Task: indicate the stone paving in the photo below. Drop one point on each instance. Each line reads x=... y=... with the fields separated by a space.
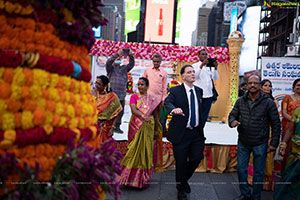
x=205 y=186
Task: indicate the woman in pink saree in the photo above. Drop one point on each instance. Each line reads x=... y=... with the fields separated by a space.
x=144 y=128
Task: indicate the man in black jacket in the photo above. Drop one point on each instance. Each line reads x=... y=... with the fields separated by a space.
x=185 y=130
x=253 y=114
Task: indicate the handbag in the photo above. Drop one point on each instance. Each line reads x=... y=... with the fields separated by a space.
x=215 y=93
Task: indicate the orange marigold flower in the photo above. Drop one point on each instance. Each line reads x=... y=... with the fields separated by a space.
x=56 y=120
x=18 y=119
x=27 y=36
x=39 y=117
x=5 y=43
x=29 y=75
x=72 y=85
x=61 y=93
x=29 y=105
x=30 y=47
x=50 y=105
x=78 y=109
x=25 y=92
x=5 y=90
x=60 y=83
x=48 y=129
x=45 y=93
x=13 y=105
x=8 y=75
x=10 y=135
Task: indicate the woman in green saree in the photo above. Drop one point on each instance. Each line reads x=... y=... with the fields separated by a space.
x=290 y=187
x=137 y=165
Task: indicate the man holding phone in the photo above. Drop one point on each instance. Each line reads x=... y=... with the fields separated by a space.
x=117 y=74
x=206 y=71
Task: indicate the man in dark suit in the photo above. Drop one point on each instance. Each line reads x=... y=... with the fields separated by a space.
x=185 y=130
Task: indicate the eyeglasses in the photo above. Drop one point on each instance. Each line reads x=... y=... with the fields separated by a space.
x=255 y=83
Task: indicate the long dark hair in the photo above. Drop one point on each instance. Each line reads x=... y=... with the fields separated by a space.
x=105 y=82
x=265 y=81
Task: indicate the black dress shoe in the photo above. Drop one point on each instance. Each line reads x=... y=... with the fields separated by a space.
x=181 y=195
x=242 y=197
x=187 y=188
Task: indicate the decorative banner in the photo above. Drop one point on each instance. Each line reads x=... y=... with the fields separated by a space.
x=137 y=71
x=167 y=52
x=281 y=71
x=132 y=16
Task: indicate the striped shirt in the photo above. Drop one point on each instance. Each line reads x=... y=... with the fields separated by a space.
x=118 y=76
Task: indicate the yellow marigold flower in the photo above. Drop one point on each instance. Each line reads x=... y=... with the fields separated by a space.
x=62 y=121
x=8 y=121
x=68 y=15
x=78 y=134
x=9 y=7
x=70 y=111
x=67 y=82
x=59 y=108
x=88 y=89
x=19 y=77
x=53 y=94
x=2 y=69
x=27 y=10
x=67 y=95
x=3 y=106
x=5 y=144
x=81 y=123
x=10 y=135
x=77 y=98
x=18 y=8
x=16 y=92
x=49 y=117
x=35 y=92
x=48 y=129
x=41 y=104
x=83 y=87
x=84 y=98
x=54 y=80
x=1 y=4
x=77 y=87
x=40 y=77
x=94 y=131
x=73 y=123
x=90 y=110
x=27 y=120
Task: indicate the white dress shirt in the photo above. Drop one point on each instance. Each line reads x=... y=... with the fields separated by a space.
x=203 y=78
x=188 y=94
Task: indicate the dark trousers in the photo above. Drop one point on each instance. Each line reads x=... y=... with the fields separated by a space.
x=188 y=155
x=206 y=105
x=120 y=115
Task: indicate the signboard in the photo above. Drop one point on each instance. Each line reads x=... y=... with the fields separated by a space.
x=241 y=5
x=132 y=16
x=159 y=21
x=178 y=19
x=281 y=71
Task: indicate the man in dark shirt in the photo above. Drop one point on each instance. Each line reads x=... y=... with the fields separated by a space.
x=118 y=77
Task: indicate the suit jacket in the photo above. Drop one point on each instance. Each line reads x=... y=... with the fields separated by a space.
x=178 y=99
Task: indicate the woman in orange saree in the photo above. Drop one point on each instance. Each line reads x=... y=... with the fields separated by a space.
x=108 y=106
x=288 y=106
x=137 y=164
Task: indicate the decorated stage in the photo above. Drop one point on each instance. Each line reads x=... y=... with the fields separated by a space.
x=219 y=153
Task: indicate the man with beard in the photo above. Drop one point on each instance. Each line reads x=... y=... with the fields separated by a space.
x=253 y=114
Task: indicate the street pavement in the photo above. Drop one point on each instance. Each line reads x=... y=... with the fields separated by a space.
x=205 y=186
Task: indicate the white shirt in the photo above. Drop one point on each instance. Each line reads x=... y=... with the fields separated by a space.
x=188 y=94
x=203 y=78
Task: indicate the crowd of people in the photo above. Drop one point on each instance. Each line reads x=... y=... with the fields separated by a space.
x=255 y=114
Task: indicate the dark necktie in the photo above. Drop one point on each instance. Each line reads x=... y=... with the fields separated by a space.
x=193 y=114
